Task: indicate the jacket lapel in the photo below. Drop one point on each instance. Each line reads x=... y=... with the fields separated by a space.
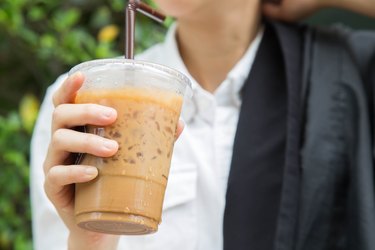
x=291 y=43
x=241 y=196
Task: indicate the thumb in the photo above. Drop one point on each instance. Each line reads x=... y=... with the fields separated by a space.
x=180 y=128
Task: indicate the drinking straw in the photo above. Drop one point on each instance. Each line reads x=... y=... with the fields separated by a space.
x=137 y=5
x=150 y=12
x=129 y=31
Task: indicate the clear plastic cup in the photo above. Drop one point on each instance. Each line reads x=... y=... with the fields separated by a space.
x=127 y=196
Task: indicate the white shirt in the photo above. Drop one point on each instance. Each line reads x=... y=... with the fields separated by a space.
x=194 y=202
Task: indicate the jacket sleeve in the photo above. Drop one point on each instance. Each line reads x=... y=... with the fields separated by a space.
x=361 y=45
x=337 y=158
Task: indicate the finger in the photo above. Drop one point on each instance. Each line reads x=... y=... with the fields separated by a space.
x=67 y=92
x=78 y=142
x=272 y=10
x=62 y=175
x=73 y=115
x=66 y=141
x=59 y=177
x=290 y=10
x=179 y=129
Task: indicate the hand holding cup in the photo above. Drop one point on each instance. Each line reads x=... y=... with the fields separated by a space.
x=60 y=169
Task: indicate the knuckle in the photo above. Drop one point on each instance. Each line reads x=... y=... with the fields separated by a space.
x=90 y=111
x=59 y=175
x=55 y=99
x=50 y=180
x=69 y=173
x=57 y=137
x=50 y=177
x=57 y=113
x=87 y=110
x=88 y=141
x=46 y=167
x=46 y=187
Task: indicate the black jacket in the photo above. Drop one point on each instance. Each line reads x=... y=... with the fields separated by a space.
x=327 y=195
x=337 y=198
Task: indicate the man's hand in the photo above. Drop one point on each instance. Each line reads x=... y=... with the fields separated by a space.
x=294 y=10
x=291 y=10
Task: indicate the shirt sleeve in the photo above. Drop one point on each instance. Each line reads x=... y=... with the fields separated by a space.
x=49 y=232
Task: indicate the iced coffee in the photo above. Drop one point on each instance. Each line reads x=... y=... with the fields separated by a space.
x=127 y=196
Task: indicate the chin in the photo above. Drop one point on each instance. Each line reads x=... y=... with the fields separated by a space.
x=179 y=8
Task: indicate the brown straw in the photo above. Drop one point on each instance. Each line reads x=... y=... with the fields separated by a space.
x=132 y=6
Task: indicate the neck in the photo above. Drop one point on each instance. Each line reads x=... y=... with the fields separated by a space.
x=214 y=40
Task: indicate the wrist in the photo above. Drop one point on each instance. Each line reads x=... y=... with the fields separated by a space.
x=83 y=240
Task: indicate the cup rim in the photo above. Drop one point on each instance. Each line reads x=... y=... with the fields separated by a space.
x=135 y=63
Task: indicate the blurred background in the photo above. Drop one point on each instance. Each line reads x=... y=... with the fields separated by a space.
x=41 y=39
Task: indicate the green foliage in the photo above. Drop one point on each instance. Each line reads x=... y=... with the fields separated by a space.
x=15 y=218
x=39 y=40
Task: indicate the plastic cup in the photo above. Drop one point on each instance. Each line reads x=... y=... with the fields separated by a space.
x=127 y=196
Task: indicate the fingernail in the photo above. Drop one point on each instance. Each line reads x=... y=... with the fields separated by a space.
x=91 y=171
x=109 y=144
x=109 y=112
x=76 y=75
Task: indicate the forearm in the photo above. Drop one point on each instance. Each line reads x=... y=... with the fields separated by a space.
x=92 y=241
x=364 y=7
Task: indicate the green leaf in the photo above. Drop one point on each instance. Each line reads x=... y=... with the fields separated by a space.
x=18 y=3
x=15 y=157
x=3 y=16
x=65 y=19
x=48 y=41
x=101 y=17
x=29 y=36
x=36 y=13
x=118 y=5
